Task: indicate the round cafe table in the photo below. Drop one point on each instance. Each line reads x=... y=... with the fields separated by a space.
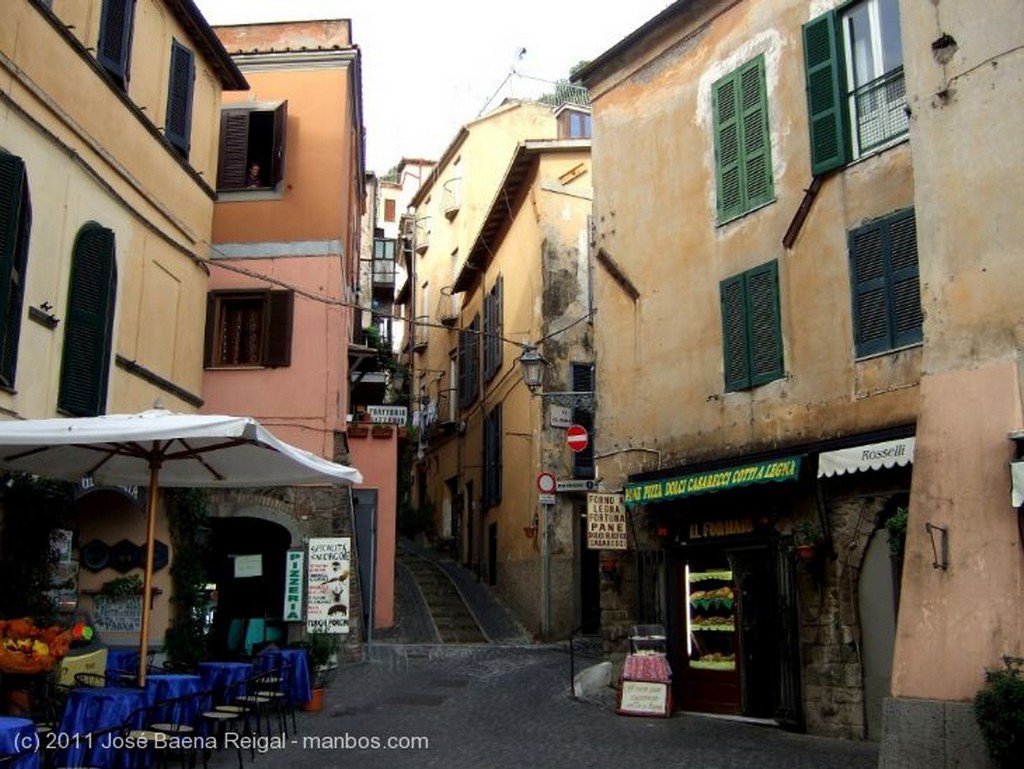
x=18 y=738
x=91 y=709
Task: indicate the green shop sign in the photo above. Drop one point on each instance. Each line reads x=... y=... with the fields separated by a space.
x=664 y=489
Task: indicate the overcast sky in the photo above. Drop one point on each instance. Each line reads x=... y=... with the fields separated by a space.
x=430 y=67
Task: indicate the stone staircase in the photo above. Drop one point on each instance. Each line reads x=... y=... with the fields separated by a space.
x=454 y=621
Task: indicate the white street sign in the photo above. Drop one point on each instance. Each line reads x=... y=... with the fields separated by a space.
x=576 y=484
x=560 y=416
x=546 y=499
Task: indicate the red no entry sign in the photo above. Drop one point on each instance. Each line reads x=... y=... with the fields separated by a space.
x=577 y=438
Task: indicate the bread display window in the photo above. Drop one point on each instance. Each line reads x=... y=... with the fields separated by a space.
x=711 y=620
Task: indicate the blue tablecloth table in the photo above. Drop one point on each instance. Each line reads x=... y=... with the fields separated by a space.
x=225 y=679
x=18 y=737
x=171 y=686
x=123 y=663
x=300 y=688
x=90 y=709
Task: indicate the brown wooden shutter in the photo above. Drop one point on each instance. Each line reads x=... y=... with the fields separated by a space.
x=212 y=332
x=178 y=129
x=277 y=158
x=278 y=329
x=234 y=149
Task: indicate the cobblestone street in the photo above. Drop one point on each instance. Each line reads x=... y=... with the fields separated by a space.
x=510 y=706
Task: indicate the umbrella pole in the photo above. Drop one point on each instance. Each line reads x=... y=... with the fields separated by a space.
x=147 y=582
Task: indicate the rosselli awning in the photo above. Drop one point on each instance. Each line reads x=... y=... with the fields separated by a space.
x=875 y=456
x=723 y=479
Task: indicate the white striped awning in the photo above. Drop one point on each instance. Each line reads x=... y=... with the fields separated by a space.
x=874 y=456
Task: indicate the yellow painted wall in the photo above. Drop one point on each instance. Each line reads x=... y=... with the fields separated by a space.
x=660 y=359
x=89 y=157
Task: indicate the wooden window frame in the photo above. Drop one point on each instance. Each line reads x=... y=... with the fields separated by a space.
x=494 y=318
x=469 y=363
x=583 y=378
x=240 y=146
x=276 y=318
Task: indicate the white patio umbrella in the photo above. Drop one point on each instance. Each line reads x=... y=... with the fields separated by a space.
x=159 y=448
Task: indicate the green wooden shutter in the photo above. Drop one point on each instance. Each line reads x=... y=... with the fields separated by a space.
x=907 y=317
x=232 y=163
x=488 y=332
x=12 y=190
x=499 y=323
x=15 y=225
x=871 y=327
x=764 y=326
x=734 y=333
x=727 y=148
x=824 y=72
x=278 y=314
x=463 y=359
x=756 y=139
x=114 y=46
x=583 y=381
x=89 y=324
x=178 y=129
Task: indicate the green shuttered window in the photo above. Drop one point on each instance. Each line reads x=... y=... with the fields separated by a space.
x=751 y=327
x=492 y=457
x=179 y=98
x=115 y=43
x=743 y=158
x=825 y=92
x=493 y=322
x=886 y=286
x=15 y=225
x=89 y=325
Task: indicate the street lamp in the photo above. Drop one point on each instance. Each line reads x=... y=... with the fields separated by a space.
x=532 y=364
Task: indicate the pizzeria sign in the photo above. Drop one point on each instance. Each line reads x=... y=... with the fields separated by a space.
x=664 y=489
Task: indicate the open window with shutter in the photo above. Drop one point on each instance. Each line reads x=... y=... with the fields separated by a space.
x=178 y=127
x=251 y=137
x=752 y=328
x=113 y=51
x=15 y=226
x=249 y=329
x=743 y=159
x=89 y=324
x=856 y=93
x=886 y=286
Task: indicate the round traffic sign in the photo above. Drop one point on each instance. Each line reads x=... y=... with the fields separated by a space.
x=577 y=438
x=546 y=483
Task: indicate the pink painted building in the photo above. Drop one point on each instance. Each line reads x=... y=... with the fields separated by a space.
x=283 y=285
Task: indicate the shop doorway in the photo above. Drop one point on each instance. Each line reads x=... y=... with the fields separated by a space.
x=364 y=516
x=246 y=567
x=738 y=652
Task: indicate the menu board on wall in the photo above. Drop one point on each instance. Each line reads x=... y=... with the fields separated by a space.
x=117 y=614
x=327 y=584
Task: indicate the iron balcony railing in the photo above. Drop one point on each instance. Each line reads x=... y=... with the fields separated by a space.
x=880 y=110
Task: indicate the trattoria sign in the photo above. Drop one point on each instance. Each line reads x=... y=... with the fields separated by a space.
x=663 y=489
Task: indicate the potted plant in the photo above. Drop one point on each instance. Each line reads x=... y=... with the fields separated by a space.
x=806 y=540
x=321 y=648
x=999 y=711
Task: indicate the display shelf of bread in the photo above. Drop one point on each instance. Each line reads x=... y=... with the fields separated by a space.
x=714 y=661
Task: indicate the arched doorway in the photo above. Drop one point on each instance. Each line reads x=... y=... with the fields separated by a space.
x=246 y=567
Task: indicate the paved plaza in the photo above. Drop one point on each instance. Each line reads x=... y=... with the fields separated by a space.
x=501 y=706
